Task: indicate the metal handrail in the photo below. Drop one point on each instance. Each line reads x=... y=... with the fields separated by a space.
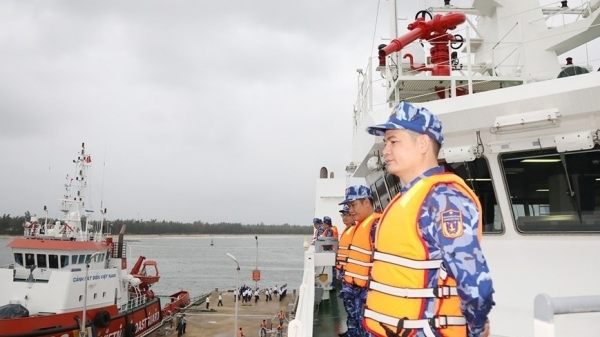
x=545 y=307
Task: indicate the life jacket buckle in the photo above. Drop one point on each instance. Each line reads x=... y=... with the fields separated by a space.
x=438 y=322
x=442 y=292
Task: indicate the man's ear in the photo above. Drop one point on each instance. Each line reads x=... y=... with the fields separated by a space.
x=424 y=143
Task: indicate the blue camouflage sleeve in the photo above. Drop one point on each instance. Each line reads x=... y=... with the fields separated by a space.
x=373 y=231
x=451 y=226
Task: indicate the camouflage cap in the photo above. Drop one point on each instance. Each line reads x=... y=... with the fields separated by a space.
x=327 y=220
x=357 y=192
x=317 y=220
x=345 y=209
x=406 y=116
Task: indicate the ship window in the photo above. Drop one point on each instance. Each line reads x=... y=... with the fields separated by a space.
x=88 y=258
x=81 y=259
x=29 y=259
x=53 y=261
x=384 y=197
x=19 y=258
x=80 y=298
x=393 y=184
x=64 y=261
x=554 y=192
x=477 y=176
x=41 y=261
x=101 y=257
x=376 y=202
x=74 y=259
x=103 y=294
x=95 y=295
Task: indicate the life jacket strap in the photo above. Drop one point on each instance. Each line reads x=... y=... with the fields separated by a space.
x=443 y=272
x=408 y=263
x=361 y=277
x=360 y=263
x=436 y=292
x=361 y=250
x=434 y=323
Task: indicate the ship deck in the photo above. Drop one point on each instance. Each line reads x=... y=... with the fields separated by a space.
x=330 y=316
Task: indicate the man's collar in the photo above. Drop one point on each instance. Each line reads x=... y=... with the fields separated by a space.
x=428 y=173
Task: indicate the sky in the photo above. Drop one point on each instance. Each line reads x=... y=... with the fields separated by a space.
x=215 y=111
x=191 y=110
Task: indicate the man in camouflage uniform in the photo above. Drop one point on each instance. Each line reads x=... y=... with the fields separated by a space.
x=360 y=207
x=319 y=229
x=413 y=138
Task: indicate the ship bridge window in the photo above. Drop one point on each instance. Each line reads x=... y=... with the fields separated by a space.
x=29 y=259
x=554 y=192
x=64 y=261
x=384 y=189
x=477 y=176
x=81 y=259
x=74 y=259
x=19 y=258
x=41 y=261
x=53 y=261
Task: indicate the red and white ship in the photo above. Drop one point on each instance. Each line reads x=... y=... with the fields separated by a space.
x=70 y=274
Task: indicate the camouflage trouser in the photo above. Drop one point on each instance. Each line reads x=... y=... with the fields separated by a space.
x=354 y=302
x=351 y=322
x=360 y=301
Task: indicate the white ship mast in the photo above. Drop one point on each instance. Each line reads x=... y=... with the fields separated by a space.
x=73 y=202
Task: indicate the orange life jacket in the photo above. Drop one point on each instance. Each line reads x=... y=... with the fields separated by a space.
x=358 y=265
x=344 y=247
x=334 y=232
x=397 y=289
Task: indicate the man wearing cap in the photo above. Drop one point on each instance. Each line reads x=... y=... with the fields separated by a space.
x=358 y=264
x=429 y=275
x=319 y=229
x=330 y=230
x=345 y=241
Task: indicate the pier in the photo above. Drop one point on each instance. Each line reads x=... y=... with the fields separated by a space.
x=219 y=321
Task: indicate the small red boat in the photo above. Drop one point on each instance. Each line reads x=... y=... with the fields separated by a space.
x=70 y=279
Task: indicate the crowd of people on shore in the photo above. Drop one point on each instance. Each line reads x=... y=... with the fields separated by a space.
x=245 y=293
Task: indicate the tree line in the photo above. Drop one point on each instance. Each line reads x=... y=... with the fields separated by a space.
x=13 y=225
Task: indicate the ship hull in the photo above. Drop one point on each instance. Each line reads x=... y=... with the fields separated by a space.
x=133 y=323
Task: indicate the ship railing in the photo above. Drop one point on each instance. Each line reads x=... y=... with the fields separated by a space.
x=546 y=307
x=134 y=303
x=115 y=251
x=364 y=99
x=326 y=245
x=302 y=324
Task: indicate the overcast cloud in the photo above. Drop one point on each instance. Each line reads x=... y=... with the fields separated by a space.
x=191 y=110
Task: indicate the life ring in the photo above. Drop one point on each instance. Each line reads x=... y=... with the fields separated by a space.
x=129 y=330
x=102 y=319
